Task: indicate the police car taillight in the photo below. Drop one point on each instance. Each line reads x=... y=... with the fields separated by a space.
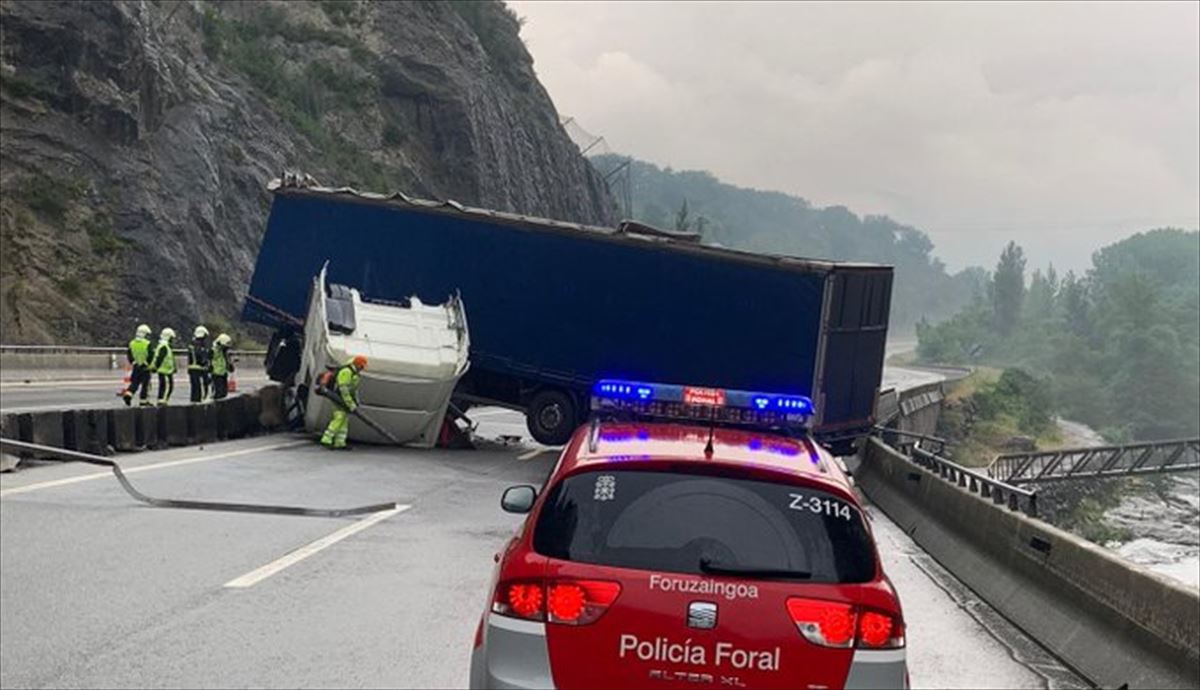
x=877 y=630
x=826 y=623
x=563 y=601
x=834 y=624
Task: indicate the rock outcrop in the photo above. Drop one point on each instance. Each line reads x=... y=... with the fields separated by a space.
x=138 y=138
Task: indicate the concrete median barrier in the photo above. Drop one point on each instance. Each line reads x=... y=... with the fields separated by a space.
x=231 y=417
x=46 y=428
x=147 y=426
x=202 y=423
x=1113 y=621
x=97 y=421
x=8 y=429
x=86 y=430
x=173 y=425
x=271 y=414
x=122 y=429
x=70 y=420
x=142 y=428
x=251 y=409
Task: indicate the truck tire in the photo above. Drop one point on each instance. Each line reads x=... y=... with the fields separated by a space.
x=550 y=417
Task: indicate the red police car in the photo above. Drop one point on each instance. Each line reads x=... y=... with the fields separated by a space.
x=690 y=555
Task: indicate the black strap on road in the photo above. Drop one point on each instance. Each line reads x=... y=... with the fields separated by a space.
x=64 y=454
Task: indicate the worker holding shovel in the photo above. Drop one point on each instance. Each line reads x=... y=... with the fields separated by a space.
x=345 y=388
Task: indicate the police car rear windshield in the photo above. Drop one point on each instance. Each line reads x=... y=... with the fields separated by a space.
x=704 y=525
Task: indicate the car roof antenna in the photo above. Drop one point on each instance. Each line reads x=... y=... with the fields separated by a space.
x=712 y=425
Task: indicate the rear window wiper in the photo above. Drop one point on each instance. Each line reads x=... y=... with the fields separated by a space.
x=718 y=568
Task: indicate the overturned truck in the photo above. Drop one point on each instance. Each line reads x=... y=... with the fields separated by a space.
x=417 y=355
x=557 y=306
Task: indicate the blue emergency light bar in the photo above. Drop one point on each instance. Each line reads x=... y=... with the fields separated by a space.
x=696 y=402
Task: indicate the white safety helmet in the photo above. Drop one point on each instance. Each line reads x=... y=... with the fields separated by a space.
x=200 y=332
x=224 y=339
x=167 y=334
x=143 y=330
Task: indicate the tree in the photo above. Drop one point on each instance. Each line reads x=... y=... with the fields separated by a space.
x=1008 y=291
x=1119 y=349
x=1043 y=295
x=682 y=222
x=1073 y=301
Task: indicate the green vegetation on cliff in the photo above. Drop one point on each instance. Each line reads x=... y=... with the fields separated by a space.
x=993 y=412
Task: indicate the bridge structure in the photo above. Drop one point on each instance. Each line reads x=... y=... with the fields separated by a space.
x=1099 y=462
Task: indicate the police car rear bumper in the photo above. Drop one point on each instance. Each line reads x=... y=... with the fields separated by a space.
x=514 y=654
x=878 y=668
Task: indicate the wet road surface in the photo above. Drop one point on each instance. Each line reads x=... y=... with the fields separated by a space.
x=99 y=591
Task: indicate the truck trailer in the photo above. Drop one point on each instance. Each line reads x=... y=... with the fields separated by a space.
x=557 y=306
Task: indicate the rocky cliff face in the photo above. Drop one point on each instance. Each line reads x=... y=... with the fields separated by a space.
x=138 y=138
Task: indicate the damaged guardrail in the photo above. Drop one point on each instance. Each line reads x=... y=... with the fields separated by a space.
x=979 y=483
x=913 y=446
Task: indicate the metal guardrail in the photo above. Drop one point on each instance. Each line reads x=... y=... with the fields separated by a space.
x=87 y=349
x=900 y=439
x=1155 y=457
x=972 y=480
x=977 y=482
x=919 y=398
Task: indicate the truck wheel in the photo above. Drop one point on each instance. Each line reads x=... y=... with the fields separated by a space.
x=550 y=417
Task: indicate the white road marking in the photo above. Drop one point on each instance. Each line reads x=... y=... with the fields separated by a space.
x=259 y=574
x=146 y=468
x=533 y=453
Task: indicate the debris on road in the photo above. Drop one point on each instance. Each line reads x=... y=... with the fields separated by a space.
x=73 y=455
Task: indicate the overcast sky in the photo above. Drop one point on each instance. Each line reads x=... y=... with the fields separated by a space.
x=1062 y=126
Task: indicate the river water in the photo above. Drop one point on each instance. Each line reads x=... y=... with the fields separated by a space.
x=1163 y=518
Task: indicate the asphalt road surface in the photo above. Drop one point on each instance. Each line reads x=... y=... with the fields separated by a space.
x=99 y=591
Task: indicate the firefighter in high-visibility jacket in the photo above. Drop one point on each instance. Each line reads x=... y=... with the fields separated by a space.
x=199 y=354
x=138 y=353
x=222 y=366
x=346 y=388
x=164 y=365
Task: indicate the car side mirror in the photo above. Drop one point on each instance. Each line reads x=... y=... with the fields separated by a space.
x=518 y=499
